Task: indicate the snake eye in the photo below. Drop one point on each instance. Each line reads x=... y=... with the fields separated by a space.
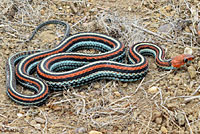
x=185 y=60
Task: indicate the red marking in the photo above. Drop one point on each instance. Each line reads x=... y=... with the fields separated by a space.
x=136 y=57
x=27 y=80
x=30 y=99
x=157 y=59
x=83 y=57
x=69 y=43
x=89 y=69
x=27 y=99
x=179 y=60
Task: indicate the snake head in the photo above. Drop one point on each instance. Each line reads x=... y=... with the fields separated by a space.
x=181 y=60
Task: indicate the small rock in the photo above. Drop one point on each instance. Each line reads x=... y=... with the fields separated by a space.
x=60 y=8
x=158 y=120
x=39 y=120
x=163 y=130
x=181 y=119
x=42 y=12
x=190 y=118
x=117 y=94
x=171 y=106
x=168 y=8
x=157 y=114
x=135 y=114
x=165 y=28
x=33 y=123
x=19 y=114
x=125 y=85
x=187 y=29
x=7 y=52
x=188 y=50
x=129 y=8
x=95 y=132
x=37 y=126
x=153 y=90
x=177 y=78
x=80 y=130
x=192 y=72
x=97 y=86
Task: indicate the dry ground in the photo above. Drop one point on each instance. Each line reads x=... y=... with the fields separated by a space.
x=157 y=104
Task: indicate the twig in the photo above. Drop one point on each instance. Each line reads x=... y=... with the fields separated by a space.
x=3 y=116
x=46 y=122
x=139 y=86
x=188 y=123
x=150 y=119
x=152 y=33
x=126 y=97
x=81 y=20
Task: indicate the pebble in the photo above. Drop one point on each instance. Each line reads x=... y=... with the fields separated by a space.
x=37 y=126
x=97 y=86
x=177 y=78
x=42 y=12
x=40 y=120
x=7 y=52
x=117 y=94
x=190 y=118
x=135 y=114
x=19 y=114
x=188 y=50
x=165 y=28
x=95 y=132
x=192 y=72
x=181 y=119
x=80 y=130
x=187 y=29
x=125 y=85
x=171 y=106
x=157 y=114
x=153 y=90
x=164 y=130
x=33 y=123
x=158 y=120
x=129 y=8
x=168 y=8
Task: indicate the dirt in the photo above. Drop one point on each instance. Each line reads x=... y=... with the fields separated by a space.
x=163 y=102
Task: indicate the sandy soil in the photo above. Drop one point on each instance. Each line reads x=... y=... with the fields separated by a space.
x=161 y=103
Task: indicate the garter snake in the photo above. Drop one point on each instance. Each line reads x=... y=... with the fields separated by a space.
x=63 y=67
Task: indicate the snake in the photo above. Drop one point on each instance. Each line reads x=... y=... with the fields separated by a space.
x=65 y=66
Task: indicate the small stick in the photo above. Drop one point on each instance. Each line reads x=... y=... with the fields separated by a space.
x=119 y=100
x=150 y=32
x=73 y=7
x=191 y=132
x=139 y=86
x=81 y=20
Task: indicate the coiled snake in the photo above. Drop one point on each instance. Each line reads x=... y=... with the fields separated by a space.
x=62 y=67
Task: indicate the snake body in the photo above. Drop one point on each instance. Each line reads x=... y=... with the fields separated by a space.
x=63 y=67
